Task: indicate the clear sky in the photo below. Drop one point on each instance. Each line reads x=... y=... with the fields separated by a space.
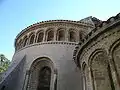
x=15 y=15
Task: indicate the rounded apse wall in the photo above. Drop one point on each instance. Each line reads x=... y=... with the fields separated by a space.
x=50 y=44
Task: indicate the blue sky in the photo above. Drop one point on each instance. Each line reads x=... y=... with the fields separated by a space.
x=15 y=15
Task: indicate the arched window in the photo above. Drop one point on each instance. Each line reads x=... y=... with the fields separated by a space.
x=40 y=37
x=25 y=41
x=50 y=35
x=72 y=36
x=20 y=43
x=41 y=75
x=100 y=73
x=44 y=79
x=61 y=35
x=32 y=39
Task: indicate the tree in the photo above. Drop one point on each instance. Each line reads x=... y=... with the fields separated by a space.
x=4 y=63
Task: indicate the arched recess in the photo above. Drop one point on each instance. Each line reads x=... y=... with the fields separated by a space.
x=20 y=43
x=72 y=35
x=50 y=34
x=17 y=46
x=61 y=34
x=25 y=41
x=115 y=53
x=101 y=77
x=41 y=76
x=40 y=36
x=31 y=39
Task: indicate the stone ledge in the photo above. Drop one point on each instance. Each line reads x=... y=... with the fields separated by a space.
x=48 y=42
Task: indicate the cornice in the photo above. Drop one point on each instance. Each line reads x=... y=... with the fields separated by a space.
x=48 y=42
x=43 y=23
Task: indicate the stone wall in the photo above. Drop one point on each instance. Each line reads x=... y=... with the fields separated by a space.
x=61 y=56
x=47 y=44
x=98 y=57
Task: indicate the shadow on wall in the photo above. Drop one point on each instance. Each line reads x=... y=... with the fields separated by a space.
x=11 y=81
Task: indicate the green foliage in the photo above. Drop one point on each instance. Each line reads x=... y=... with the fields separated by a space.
x=4 y=63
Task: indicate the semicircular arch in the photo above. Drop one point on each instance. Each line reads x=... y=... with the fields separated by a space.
x=39 y=36
x=113 y=46
x=42 y=59
x=61 y=34
x=100 y=70
x=114 y=52
x=50 y=34
x=42 y=74
x=94 y=53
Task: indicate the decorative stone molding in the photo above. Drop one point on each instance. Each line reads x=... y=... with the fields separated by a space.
x=49 y=42
x=90 y=46
x=107 y=37
x=36 y=67
x=28 y=33
x=103 y=27
x=53 y=23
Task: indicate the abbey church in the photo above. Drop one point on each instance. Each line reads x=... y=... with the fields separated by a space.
x=66 y=55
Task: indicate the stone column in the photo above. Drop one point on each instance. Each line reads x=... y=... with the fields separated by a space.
x=26 y=81
x=90 y=85
x=44 y=36
x=84 y=80
x=113 y=72
x=77 y=38
x=67 y=34
x=55 y=34
x=35 y=37
x=27 y=42
x=54 y=81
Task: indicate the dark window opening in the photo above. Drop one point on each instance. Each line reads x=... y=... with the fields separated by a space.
x=50 y=36
x=25 y=42
x=44 y=79
x=40 y=37
x=72 y=36
x=61 y=35
x=32 y=39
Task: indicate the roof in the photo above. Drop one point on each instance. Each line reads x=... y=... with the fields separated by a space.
x=91 y=20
